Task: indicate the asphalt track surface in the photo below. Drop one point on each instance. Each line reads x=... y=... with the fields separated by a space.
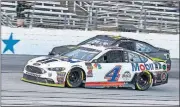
x=18 y=93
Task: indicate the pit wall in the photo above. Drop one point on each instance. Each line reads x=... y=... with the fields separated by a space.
x=40 y=41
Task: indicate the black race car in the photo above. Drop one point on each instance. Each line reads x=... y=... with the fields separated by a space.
x=155 y=53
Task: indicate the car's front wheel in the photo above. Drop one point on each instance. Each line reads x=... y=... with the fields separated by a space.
x=74 y=78
x=143 y=81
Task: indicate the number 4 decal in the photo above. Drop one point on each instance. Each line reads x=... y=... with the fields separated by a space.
x=113 y=75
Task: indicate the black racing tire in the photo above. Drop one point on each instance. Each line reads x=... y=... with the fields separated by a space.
x=143 y=81
x=74 y=78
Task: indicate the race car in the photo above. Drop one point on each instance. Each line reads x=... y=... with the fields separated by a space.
x=156 y=53
x=93 y=66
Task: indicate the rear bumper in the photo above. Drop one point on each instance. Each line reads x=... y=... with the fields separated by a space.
x=168 y=67
x=40 y=81
x=168 y=62
x=160 y=79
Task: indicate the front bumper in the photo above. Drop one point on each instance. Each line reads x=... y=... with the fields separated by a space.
x=41 y=81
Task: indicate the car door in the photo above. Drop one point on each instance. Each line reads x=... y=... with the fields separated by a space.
x=108 y=69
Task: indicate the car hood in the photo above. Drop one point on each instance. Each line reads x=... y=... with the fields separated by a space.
x=52 y=60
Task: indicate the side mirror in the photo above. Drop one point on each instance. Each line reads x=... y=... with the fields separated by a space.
x=51 y=53
x=131 y=60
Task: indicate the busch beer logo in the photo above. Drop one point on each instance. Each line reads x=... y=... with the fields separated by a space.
x=89 y=73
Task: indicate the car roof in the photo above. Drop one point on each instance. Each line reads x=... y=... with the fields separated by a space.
x=102 y=48
x=110 y=39
x=102 y=40
x=118 y=37
x=115 y=38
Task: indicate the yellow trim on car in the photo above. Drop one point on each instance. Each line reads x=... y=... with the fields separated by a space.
x=116 y=37
x=158 y=59
x=45 y=84
x=68 y=83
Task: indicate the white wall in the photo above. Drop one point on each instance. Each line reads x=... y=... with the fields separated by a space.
x=39 y=41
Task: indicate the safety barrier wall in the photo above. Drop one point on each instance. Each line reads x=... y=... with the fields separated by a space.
x=40 y=41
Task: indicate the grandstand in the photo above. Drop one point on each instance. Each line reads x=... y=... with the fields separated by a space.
x=143 y=16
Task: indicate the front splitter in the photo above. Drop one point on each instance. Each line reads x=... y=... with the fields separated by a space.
x=44 y=84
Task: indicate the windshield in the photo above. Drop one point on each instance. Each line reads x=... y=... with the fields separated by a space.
x=85 y=54
x=61 y=50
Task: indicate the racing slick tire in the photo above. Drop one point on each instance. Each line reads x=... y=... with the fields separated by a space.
x=74 y=78
x=143 y=81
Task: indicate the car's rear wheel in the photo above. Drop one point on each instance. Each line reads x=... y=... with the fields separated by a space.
x=143 y=81
x=74 y=78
